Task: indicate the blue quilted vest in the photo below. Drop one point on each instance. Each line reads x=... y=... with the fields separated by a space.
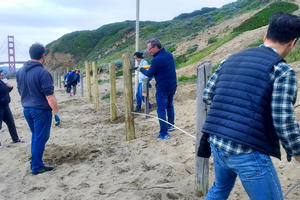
x=241 y=106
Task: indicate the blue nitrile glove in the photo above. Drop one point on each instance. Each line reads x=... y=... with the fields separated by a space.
x=57 y=119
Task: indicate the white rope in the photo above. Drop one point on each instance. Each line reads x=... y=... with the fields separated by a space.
x=136 y=113
x=291 y=189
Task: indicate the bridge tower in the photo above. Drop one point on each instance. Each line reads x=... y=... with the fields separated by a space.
x=11 y=54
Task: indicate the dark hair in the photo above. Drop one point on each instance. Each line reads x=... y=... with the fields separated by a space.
x=138 y=54
x=283 y=28
x=36 y=51
x=155 y=43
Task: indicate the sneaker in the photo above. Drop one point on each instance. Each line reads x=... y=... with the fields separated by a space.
x=45 y=169
x=167 y=137
x=160 y=137
x=171 y=128
x=19 y=141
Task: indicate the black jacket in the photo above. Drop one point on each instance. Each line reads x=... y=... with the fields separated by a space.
x=4 y=94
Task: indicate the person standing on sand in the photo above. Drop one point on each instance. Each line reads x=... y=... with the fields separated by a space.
x=251 y=97
x=138 y=56
x=72 y=79
x=163 y=69
x=5 y=112
x=35 y=85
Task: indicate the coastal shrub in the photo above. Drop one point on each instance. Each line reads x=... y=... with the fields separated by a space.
x=212 y=39
x=118 y=64
x=184 y=78
x=256 y=43
x=293 y=56
x=192 y=49
x=179 y=60
x=107 y=95
x=105 y=67
x=119 y=73
x=100 y=81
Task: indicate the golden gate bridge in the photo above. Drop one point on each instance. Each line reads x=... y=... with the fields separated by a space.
x=11 y=55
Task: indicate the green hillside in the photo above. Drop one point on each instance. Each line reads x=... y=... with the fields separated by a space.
x=109 y=42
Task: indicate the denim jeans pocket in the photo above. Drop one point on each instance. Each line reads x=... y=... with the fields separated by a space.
x=248 y=166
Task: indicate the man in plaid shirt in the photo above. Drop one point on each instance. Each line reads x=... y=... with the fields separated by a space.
x=252 y=94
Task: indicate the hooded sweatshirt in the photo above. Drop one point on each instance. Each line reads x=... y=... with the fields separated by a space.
x=34 y=84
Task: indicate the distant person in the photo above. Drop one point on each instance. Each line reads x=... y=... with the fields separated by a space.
x=163 y=69
x=65 y=78
x=72 y=79
x=5 y=112
x=138 y=56
x=251 y=97
x=35 y=85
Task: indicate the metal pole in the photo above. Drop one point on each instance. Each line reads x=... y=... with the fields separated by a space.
x=137 y=30
x=145 y=94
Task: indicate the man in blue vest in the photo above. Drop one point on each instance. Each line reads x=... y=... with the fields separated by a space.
x=252 y=94
x=163 y=69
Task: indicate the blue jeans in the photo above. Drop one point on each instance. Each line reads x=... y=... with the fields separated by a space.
x=139 y=96
x=39 y=122
x=165 y=107
x=255 y=170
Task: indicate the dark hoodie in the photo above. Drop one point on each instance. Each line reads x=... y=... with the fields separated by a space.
x=34 y=84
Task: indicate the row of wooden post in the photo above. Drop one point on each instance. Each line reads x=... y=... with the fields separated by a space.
x=203 y=73
x=95 y=100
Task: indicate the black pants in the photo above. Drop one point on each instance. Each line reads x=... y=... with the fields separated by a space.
x=70 y=86
x=7 y=117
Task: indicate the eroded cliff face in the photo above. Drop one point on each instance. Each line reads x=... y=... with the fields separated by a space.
x=59 y=61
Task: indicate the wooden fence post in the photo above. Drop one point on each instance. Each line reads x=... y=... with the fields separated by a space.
x=81 y=85
x=57 y=81
x=129 y=120
x=112 y=80
x=201 y=164
x=54 y=78
x=59 y=76
x=96 y=89
x=88 y=81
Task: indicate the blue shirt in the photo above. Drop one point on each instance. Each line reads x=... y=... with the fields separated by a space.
x=34 y=84
x=282 y=105
x=163 y=69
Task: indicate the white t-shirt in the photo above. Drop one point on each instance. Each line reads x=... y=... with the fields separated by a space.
x=141 y=75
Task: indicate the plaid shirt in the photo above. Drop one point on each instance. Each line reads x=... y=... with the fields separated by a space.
x=282 y=105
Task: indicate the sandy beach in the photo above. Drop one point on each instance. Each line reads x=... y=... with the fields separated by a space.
x=93 y=160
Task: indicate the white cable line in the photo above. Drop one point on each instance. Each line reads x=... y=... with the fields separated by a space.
x=136 y=113
x=3 y=50
x=291 y=189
